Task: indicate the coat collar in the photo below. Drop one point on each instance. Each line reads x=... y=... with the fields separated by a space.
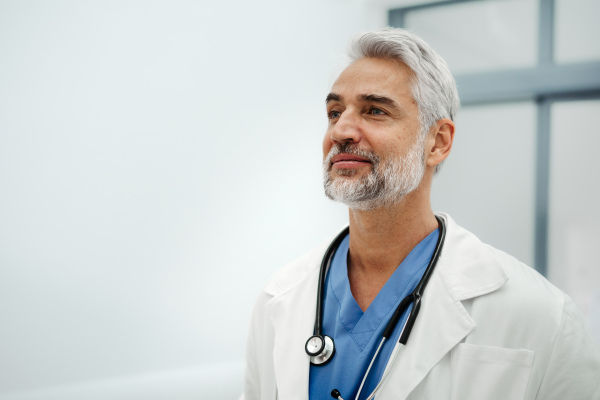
x=467 y=268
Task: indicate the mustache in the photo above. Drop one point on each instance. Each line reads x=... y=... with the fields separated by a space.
x=350 y=148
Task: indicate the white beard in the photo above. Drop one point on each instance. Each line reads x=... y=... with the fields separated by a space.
x=386 y=184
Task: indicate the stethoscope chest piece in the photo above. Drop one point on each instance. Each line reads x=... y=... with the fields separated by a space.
x=320 y=348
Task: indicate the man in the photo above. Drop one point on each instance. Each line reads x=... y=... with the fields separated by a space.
x=488 y=327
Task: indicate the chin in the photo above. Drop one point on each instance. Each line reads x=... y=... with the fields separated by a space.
x=343 y=172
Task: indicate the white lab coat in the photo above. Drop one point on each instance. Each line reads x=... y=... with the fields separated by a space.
x=490 y=328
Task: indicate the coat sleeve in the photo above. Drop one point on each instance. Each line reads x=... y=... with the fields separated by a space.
x=574 y=368
x=259 y=375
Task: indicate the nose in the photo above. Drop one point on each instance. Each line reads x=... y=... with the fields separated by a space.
x=347 y=128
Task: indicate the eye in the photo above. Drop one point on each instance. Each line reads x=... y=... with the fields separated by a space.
x=333 y=114
x=376 y=111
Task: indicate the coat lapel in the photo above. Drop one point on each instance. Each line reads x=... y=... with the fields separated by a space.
x=443 y=322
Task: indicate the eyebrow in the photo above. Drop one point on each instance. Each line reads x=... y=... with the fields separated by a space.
x=377 y=99
x=373 y=98
x=332 y=97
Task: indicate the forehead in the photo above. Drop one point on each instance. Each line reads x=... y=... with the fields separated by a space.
x=376 y=75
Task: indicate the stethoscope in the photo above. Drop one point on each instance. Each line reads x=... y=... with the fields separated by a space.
x=321 y=348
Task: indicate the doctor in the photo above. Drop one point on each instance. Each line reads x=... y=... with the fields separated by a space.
x=488 y=327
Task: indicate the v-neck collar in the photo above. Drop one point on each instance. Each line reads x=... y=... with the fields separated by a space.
x=361 y=325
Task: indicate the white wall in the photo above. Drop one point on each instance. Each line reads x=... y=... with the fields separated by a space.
x=158 y=161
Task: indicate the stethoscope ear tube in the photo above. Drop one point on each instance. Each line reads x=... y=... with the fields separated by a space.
x=418 y=292
x=415 y=296
x=436 y=255
x=410 y=322
x=397 y=314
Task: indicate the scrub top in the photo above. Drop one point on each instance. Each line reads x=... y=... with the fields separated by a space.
x=357 y=334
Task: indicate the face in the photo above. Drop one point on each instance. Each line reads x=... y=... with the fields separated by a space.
x=373 y=149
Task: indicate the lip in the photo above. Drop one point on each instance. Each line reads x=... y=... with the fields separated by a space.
x=348 y=161
x=345 y=157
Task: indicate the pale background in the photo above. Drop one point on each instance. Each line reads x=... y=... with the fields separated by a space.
x=159 y=160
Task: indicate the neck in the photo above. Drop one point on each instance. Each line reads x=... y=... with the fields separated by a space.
x=381 y=239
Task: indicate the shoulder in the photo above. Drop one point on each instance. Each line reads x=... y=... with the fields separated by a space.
x=529 y=298
x=528 y=295
x=477 y=266
x=499 y=289
x=528 y=284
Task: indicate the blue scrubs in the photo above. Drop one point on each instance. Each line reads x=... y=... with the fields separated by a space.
x=356 y=334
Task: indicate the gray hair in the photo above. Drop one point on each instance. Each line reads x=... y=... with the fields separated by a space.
x=434 y=88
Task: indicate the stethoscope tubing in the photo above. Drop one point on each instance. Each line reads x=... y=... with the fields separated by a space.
x=417 y=293
x=325 y=263
x=413 y=298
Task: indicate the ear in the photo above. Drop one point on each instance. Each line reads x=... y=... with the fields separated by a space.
x=441 y=138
